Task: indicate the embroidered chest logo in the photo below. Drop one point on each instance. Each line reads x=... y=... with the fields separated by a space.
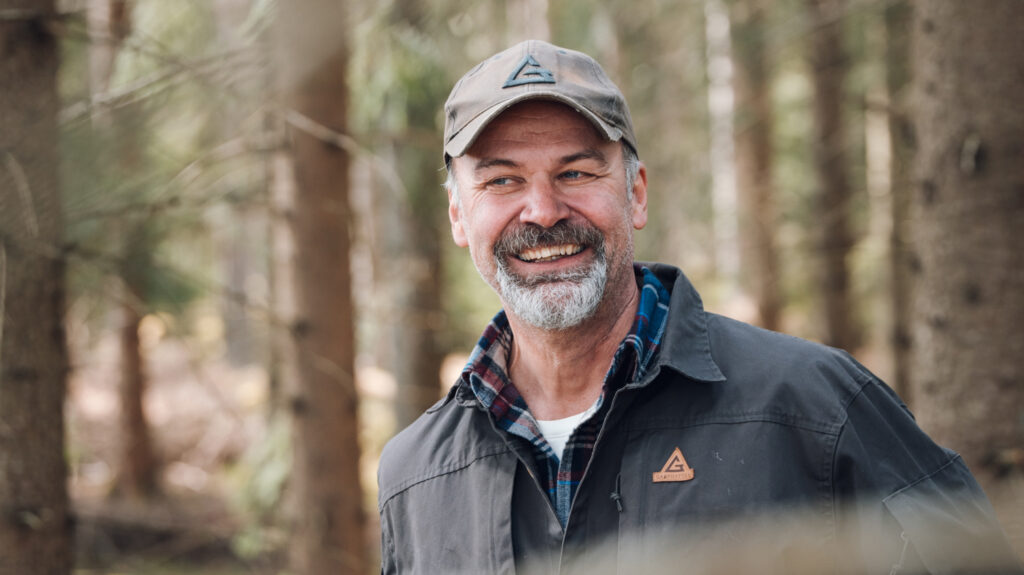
x=529 y=71
x=675 y=469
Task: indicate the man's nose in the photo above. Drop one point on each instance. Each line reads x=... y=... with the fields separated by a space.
x=544 y=205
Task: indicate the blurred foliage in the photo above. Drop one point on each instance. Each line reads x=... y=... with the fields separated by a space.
x=258 y=482
x=130 y=198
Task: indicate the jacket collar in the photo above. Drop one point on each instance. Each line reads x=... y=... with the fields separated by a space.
x=686 y=345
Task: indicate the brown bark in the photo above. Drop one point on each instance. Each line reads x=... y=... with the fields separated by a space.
x=329 y=533
x=835 y=237
x=968 y=210
x=897 y=24
x=753 y=141
x=137 y=477
x=137 y=467
x=34 y=524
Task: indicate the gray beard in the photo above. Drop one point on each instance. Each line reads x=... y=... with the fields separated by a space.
x=555 y=301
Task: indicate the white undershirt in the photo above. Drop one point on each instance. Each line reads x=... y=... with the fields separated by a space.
x=558 y=431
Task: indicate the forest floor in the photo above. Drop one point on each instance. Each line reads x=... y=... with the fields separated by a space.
x=224 y=461
x=204 y=417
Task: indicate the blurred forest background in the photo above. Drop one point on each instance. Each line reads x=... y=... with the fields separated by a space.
x=226 y=274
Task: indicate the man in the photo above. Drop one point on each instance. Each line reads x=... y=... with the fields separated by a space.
x=605 y=421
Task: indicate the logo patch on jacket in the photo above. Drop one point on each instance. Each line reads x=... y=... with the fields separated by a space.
x=675 y=469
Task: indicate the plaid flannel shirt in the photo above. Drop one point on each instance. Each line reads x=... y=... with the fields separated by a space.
x=486 y=374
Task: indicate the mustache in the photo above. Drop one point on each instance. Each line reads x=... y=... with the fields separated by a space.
x=526 y=236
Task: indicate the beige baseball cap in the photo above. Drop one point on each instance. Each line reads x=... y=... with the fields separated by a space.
x=533 y=70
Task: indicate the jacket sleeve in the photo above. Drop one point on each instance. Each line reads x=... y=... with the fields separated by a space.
x=906 y=504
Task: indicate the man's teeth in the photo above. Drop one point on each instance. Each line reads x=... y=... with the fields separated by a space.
x=548 y=253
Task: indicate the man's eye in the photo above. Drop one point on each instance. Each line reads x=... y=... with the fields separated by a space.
x=499 y=182
x=574 y=175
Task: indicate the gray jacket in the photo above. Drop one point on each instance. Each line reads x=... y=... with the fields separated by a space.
x=773 y=431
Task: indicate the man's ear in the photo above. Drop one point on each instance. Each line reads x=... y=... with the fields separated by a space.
x=639 y=203
x=455 y=216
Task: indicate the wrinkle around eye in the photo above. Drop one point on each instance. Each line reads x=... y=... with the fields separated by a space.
x=500 y=183
x=577 y=176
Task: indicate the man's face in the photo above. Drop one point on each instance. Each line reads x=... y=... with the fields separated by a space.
x=544 y=210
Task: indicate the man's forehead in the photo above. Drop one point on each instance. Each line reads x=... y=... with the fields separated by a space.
x=480 y=164
x=526 y=122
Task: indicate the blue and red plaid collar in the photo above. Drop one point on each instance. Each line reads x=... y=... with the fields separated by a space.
x=486 y=374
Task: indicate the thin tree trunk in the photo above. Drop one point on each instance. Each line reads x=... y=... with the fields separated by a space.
x=416 y=315
x=527 y=20
x=34 y=522
x=137 y=473
x=683 y=236
x=969 y=212
x=636 y=52
x=724 y=201
x=828 y=69
x=137 y=468
x=329 y=533
x=109 y=24
x=898 y=32
x=753 y=137
x=411 y=225
x=277 y=193
x=240 y=235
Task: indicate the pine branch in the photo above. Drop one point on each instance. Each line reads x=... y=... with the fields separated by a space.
x=153 y=85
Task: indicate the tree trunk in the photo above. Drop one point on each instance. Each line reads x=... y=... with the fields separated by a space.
x=721 y=111
x=137 y=468
x=969 y=212
x=34 y=523
x=636 y=51
x=329 y=534
x=239 y=238
x=753 y=137
x=828 y=69
x=410 y=273
x=410 y=223
x=897 y=25
x=109 y=24
x=527 y=20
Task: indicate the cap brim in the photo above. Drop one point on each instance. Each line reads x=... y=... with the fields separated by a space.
x=465 y=137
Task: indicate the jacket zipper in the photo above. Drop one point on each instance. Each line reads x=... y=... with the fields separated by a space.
x=616 y=497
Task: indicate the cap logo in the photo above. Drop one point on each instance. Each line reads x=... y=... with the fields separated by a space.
x=529 y=71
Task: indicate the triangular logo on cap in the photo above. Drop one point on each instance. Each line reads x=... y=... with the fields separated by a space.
x=529 y=71
x=675 y=469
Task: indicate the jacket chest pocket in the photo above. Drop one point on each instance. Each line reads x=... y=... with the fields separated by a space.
x=686 y=489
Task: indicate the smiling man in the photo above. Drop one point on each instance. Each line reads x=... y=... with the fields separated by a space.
x=605 y=421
